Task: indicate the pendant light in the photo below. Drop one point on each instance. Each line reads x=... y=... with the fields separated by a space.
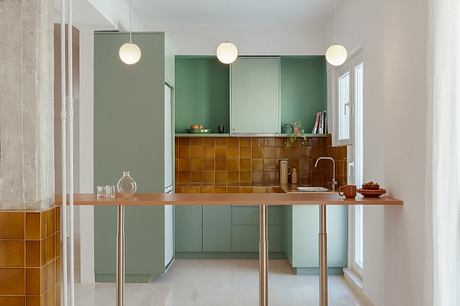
x=130 y=53
x=336 y=54
x=226 y=51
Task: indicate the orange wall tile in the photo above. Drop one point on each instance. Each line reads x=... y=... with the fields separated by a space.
x=244 y=161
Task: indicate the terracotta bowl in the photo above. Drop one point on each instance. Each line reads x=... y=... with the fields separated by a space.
x=372 y=193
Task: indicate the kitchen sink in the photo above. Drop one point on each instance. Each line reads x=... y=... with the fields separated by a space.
x=311 y=189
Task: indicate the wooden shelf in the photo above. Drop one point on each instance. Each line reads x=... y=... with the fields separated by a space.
x=244 y=135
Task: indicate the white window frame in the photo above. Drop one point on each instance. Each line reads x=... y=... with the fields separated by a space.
x=355 y=59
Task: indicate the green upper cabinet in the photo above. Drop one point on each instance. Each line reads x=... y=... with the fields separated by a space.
x=303 y=89
x=255 y=95
x=202 y=92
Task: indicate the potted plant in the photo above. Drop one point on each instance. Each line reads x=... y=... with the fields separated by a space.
x=294 y=130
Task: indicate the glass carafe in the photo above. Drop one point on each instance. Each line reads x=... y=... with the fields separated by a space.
x=126 y=185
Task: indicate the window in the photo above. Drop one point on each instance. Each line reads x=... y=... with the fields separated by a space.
x=343 y=115
x=346 y=101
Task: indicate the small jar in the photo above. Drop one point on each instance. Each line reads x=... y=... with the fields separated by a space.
x=294 y=178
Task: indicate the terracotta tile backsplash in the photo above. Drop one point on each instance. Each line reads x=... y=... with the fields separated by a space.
x=250 y=164
x=30 y=257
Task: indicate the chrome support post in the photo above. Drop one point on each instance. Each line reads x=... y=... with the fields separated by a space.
x=323 y=296
x=120 y=281
x=263 y=256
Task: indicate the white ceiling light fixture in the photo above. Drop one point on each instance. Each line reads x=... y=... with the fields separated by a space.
x=336 y=54
x=130 y=53
x=227 y=52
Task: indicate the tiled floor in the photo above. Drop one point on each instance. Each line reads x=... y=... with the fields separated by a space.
x=221 y=283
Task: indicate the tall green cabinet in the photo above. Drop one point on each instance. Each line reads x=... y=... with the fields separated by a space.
x=129 y=135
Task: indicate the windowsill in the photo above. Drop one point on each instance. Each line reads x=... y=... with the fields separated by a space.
x=356 y=283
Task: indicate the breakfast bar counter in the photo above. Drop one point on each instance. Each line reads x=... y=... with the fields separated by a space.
x=279 y=196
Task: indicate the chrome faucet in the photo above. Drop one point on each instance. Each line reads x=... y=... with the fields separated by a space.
x=334 y=182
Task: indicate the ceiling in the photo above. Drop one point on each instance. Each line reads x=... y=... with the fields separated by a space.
x=285 y=13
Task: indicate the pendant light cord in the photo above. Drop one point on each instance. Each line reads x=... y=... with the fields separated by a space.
x=226 y=21
x=335 y=21
x=130 y=29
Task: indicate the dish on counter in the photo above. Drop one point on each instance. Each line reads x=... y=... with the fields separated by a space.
x=199 y=131
x=372 y=193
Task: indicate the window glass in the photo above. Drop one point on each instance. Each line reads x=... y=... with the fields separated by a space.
x=344 y=106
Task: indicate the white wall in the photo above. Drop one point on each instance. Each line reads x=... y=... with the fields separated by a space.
x=268 y=39
x=393 y=36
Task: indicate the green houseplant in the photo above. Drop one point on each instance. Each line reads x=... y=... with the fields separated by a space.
x=294 y=130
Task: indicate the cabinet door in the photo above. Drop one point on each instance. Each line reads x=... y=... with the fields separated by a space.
x=255 y=95
x=189 y=228
x=217 y=228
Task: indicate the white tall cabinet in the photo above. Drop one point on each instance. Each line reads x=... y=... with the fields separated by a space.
x=255 y=95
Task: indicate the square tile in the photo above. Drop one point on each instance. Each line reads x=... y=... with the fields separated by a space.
x=208 y=177
x=12 y=225
x=259 y=189
x=208 y=164
x=220 y=189
x=220 y=152
x=197 y=164
x=233 y=164
x=11 y=253
x=196 y=152
x=12 y=281
x=35 y=254
x=35 y=281
x=208 y=141
x=184 y=141
x=245 y=165
x=58 y=269
x=221 y=177
x=257 y=142
x=269 y=152
x=206 y=189
x=196 y=141
x=233 y=153
x=245 y=189
x=245 y=177
x=50 y=222
x=220 y=141
x=233 y=142
x=232 y=189
x=270 y=164
x=14 y=301
x=196 y=177
x=257 y=178
x=208 y=153
x=245 y=152
x=50 y=275
x=245 y=142
x=269 y=142
x=233 y=177
x=184 y=152
x=257 y=165
x=257 y=152
x=35 y=225
x=221 y=164
x=50 y=248
x=193 y=189
x=185 y=165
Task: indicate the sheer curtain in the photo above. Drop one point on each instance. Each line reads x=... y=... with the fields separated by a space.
x=444 y=147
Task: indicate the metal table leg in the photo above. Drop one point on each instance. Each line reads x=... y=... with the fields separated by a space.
x=120 y=256
x=323 y=300
x=263 y=256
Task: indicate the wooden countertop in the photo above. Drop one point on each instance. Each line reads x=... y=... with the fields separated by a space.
x=158 y=199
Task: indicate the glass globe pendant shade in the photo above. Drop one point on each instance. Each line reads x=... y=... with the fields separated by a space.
x=336 y=55
x=227 y=52
x=130 y=53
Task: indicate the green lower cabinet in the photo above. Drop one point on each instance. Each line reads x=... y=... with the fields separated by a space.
x=217 y=228
x=189 y=228
x=300 y=237
x=245 y=238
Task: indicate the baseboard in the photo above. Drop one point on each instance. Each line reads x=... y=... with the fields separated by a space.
x=315 y=271
x=226 y=255
x=129 y=278
x=356 y=284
